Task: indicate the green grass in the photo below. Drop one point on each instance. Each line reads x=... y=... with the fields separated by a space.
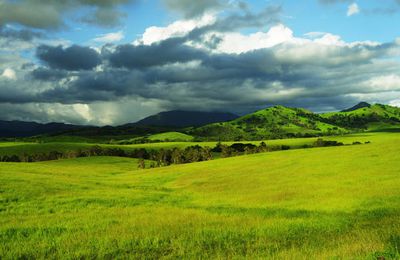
x=322 y=203
x=171 y=136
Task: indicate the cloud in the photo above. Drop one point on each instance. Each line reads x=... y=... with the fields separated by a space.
x=22 y=34
x=110 y=37
x=49 y=14
x=187 y=76
x=142 y=56
x=46 y=74
x=189 y=8
x=208 y=64
x=353 y=9
x=9 y=74
x=13 y=40
x=388 y=7
x=97 y=113
x=70 y=58
x=179 y=28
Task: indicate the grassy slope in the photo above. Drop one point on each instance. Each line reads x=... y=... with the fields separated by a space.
x=314 y=203
x=273 y=122
x=374 y=118
x=171 y=136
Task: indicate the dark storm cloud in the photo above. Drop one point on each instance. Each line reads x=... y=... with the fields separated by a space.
x=48 y=74
x=248 y=79
x=71 y=58
x=143 y=56
x=50 y=14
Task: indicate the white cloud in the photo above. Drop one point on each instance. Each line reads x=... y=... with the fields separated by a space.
x=315 y=42
x=9 y=74
x=83 y=110
x=179 y=28
x=239 y=43
x=353 y=9
x=110 y=37
x=395 y=103
x=385 y=83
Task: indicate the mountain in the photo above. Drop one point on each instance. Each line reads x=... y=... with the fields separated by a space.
x=24 y=129
x=179 y=118
x=273 y=122
x=358 y=106
x=366 y=117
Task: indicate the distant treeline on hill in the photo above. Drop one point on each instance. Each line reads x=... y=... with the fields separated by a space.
x=164 y=157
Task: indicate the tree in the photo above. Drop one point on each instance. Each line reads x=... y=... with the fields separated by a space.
x=262 y=147
x=177 y=156
x=141 y=164
x=206 y=154
x=228 y=151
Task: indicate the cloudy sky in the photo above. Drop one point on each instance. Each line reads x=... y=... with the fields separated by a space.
x=116 y=61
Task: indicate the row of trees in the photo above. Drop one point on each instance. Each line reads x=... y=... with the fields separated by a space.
x=56 y=155
x=163 y=157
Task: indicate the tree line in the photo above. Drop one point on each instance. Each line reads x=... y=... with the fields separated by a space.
x=164 y=157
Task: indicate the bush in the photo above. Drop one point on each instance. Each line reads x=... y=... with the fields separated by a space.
x=323 y=143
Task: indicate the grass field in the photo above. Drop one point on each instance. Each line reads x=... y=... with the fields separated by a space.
x=321 y=203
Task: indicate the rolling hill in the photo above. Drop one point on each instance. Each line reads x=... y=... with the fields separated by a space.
x=366 y=117
x=270 y=123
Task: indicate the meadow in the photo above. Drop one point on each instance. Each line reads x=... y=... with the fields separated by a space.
x=320 y=203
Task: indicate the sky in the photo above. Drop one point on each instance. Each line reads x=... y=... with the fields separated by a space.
x=110 y=62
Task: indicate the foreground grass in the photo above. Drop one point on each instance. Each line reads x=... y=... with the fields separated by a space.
x=335 y=202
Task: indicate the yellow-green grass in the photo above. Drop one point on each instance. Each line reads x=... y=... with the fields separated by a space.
x=322 y=203
x=171 y=136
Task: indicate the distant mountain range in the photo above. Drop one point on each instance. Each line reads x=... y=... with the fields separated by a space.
x=22 y=129
x=153 y=124
x=179 y=118
x=272 y=122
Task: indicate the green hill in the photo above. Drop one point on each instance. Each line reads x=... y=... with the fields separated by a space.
x=367 y=117
x=270 y=123
x=171 y=136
